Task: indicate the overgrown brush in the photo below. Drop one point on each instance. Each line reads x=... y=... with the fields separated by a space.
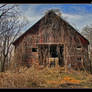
x=35 y=77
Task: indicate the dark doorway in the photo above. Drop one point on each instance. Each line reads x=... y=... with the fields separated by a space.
x=53 y=51
x=56 y=52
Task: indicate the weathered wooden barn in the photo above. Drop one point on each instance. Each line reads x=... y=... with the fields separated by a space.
x=51 y=42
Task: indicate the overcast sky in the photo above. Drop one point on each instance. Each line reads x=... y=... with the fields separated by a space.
x=77 y=15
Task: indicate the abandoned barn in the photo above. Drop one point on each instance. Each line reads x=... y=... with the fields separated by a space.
x=51 y=42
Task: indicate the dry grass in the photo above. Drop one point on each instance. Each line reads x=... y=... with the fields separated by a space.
x=35 y=77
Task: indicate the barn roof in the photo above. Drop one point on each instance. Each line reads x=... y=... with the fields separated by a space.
x=82 y=38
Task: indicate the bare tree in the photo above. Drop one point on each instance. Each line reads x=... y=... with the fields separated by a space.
x=87 y=33
x=10 y=27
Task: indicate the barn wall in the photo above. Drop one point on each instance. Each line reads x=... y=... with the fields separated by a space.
x=51 y=30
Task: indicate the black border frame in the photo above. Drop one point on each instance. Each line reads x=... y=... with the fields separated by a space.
x=47 y=1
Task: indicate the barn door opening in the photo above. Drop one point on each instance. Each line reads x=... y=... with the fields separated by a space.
x=56 y=55
x=53 y=51
x=51 y=55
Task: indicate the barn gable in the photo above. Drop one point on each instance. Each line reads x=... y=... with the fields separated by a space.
x=36 y=26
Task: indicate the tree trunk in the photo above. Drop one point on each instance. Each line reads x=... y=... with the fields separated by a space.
x=90 y=67
x=3 y=64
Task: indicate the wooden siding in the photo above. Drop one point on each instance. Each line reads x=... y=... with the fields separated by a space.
x=51 y=30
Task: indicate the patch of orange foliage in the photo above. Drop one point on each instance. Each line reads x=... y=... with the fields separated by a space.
x=70 y=80
x=65 y=80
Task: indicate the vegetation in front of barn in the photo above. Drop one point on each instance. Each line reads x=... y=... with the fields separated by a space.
x=45 y=78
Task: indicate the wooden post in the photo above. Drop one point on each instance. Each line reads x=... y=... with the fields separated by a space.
x=56 y=61
x=65 y=58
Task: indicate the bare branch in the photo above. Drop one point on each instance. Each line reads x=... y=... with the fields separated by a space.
x=3 y=5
